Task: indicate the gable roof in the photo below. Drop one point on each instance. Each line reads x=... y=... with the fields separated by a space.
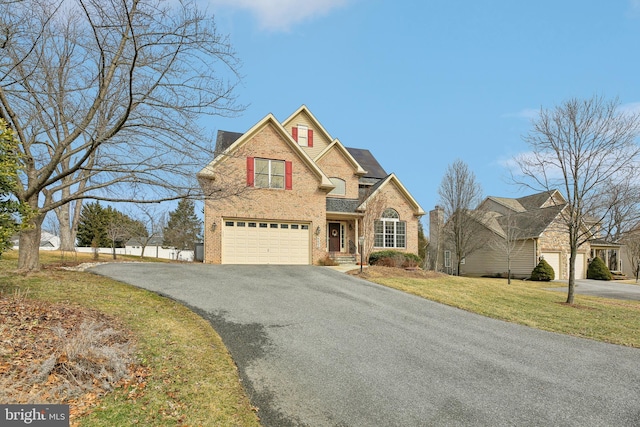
x=391 y=179
x=336 y=144
x=539 y=200
x=368 y=163
x=512 y=204
x=316 y=124
x=268 y=120
x=531 y=223
x=225 y=139
x=530 y=215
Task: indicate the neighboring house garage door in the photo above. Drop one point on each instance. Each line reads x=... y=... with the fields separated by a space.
x=265 y=242
x=553 y=259
x=580 y=274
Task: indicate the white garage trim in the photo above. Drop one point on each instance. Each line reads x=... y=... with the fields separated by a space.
x=553 y=259
x=580 y=268
x=258 y=241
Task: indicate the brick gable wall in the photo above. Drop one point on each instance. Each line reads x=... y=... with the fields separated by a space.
x=305 y=202
x=334 y=165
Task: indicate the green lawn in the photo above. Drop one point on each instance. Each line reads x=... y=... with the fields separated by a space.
x=193 y=379
x=528 y=303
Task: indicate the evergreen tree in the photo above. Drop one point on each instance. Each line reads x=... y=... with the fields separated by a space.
x=422 y=242
x=183 y=229
x=104 y=227
x=598 y=270
x=543 y=272
x=92 y=227
x=12 y=212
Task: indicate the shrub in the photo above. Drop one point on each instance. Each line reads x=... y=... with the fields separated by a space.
x=543 y=272
x=391 y=258
x=327 y=261
x=598 y=270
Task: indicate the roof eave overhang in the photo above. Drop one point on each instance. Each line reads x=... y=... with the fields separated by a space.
x=207 y=171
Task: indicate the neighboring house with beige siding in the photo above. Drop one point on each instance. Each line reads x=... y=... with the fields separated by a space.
x=532 y=227
x=289 y=193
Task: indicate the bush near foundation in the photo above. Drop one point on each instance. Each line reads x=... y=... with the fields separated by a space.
x=543 y=272
x=598 y=270
x=392 y=258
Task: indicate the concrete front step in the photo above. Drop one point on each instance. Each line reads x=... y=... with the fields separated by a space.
x=344 y=259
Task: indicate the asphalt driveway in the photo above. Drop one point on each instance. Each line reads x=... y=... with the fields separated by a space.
x=604 y=289
x=320 y=348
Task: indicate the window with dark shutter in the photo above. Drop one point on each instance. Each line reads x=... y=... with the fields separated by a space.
x=288 y=175
x=250 y=171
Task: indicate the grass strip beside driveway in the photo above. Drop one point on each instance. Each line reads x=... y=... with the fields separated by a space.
x=193 y=380
x=523 y=302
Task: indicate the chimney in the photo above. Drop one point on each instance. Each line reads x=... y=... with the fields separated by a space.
x=436 y=224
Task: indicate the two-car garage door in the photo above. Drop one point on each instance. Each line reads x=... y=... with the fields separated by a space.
x=553 y=258
x=265 y=242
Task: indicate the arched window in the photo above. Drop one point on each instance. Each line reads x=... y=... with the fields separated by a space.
x=390 y=232
x=340 y=189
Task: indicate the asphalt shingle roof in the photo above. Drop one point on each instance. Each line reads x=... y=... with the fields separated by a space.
x=224 y=140
x=342 y=205
x=368 y=163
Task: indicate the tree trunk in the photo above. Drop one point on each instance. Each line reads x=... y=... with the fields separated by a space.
x=67 y=237
x=29 y=252
x=572 y=276
x=68 y=216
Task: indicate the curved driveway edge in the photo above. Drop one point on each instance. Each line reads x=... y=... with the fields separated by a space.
x=603 y=289
x=320 y=348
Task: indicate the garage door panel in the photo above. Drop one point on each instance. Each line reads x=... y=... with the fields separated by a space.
x=265 y=242
x=580 y=272
x=553 y=259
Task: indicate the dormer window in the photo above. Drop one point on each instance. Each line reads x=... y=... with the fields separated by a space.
x=303 y=135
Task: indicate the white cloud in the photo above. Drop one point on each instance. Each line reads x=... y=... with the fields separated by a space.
x=281 y=15
x=630 y=108
x=527 y=113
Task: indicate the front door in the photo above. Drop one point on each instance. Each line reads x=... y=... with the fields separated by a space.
x=334 y=237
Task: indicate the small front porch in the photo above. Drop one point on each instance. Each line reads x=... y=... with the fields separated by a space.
x=609 y=253
x=341 y=240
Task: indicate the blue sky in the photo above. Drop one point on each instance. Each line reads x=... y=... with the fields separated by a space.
x=423 y=83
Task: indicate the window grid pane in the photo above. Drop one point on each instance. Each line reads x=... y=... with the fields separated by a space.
x=378 y=229
x=401 y=234
x=389 y=234
x=269 y=173
x=277 y=182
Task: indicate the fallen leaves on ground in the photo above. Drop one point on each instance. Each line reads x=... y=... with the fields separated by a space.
x=63 y=354
x=376 y=271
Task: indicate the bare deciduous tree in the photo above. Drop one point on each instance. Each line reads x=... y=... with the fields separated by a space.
x=620 y=209
x=460 y=194
x=376 y=204
x=117 y=231
x=581 y=147
x=106 y=101
x=632 y=246
x=152 y=223
x=508 y=243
